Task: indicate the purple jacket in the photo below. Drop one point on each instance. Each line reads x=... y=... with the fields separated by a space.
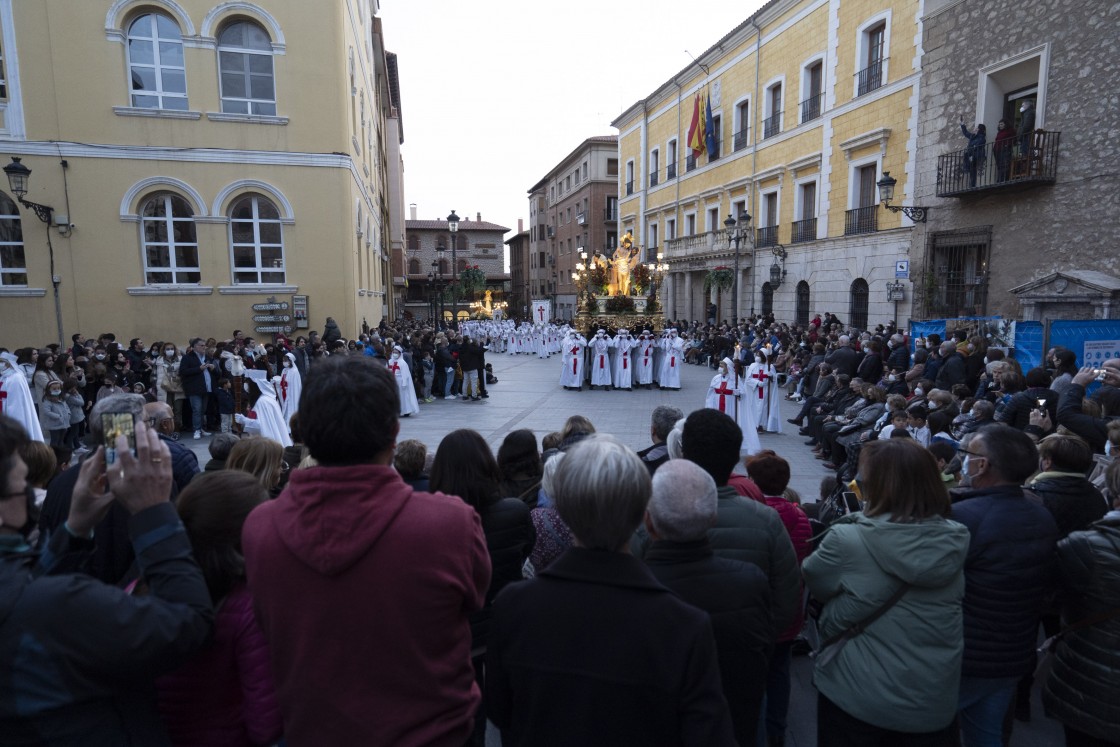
x=224 y=696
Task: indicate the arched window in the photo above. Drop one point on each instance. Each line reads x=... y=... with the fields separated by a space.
x=167 y=231
x=803 y=303
x=155 y=63
x=414 y=243
x=256 y=240
x=767 y=299
x=245 y=70
x=414 y=267
x=442 y=267
x=13 y=262
x=857 y=305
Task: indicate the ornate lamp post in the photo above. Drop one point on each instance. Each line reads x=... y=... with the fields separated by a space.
x=453 y=227
x=18 y=175
x=737 y=230
x=886 y=194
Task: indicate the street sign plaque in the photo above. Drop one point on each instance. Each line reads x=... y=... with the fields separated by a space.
x=272 y=318
x=277 y=306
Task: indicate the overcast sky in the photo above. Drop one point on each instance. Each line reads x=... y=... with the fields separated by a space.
x=495 y=92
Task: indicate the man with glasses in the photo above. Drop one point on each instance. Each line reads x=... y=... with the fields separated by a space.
x=1009 y=573
x=184 y=464
x=198 y=372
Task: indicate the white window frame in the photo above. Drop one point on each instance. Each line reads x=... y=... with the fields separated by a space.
x=806 y=82
x=654 y=163
x=737 y=120
x=259 y=269
x=168 y=222
x=9 y=271
x=629 y=180
x=989 y=95
x=712 y=218
x=690 y=223
x=651 y=235
x=768 y=104
x=156 y=65
x=853 y=179
x=798 y=200
x=672 y=154
x=738 y=207
x=862 y=45
x=670 y=229
x=250 y=103
x=763 y=194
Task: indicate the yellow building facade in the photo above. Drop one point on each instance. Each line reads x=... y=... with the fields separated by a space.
x=811 y=101
x=200 y=157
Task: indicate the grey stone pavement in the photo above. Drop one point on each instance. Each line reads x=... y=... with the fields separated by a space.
x=528 y=395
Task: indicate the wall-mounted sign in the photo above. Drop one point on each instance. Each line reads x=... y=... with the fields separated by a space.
x=299 y=311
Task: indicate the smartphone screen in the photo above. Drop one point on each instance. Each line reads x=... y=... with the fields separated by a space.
x=115 y=424
x=851 y=501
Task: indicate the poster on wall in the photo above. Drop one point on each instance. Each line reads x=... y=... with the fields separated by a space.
x=541 y=310
x=1098 y=352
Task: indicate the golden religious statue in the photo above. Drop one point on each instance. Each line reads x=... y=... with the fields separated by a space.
x=489 y=300
x=625 y=258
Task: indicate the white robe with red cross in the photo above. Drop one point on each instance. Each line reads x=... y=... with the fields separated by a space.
x=643 y=360
x=403 y=376
x=624 y=362
x=571 y=355
x=288 y=391
x=16 y=403
x=748 y=422
x=764 y=397
x=671 y=362
x=600 y=360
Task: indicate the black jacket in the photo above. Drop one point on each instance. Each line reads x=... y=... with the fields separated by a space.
x=1072 y=500
x=1082 y=688
x=654 y=456
x=79 y=657
x=1093 y=430
x=843 y=360
x=595 y=651
x=1009 y=573
x=510 y=537
x=470 y=356
x=899 y=359
x=191 y=374
x=1017 y=412
x=871 y=368
x=736 y=595
x=951 y=372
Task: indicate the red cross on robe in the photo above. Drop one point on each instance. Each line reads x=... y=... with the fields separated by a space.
x=575 y=359
x=3 y=396
x=645 y=357
x=762 y=377
x=284 y=388
x=625 y=358
x=723 y=391
x=395 y=368
x=601 y=357
x=540 y=312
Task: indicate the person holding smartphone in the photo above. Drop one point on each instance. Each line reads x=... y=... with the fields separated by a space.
x=199 y=375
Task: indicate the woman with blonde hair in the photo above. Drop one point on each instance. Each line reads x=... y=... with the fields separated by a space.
x=261 y=457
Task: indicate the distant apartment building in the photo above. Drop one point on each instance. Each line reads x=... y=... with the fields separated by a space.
x=519 y=247
x=573 y=208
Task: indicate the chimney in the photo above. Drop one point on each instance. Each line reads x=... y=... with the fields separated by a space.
x=412 y=210
x=478 y=217
x=520 y=225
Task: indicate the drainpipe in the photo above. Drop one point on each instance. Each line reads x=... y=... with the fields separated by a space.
x=754 y=156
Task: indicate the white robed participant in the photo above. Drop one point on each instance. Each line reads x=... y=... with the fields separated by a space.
x=745 y=414
x=673 y=347
x=624 y=346
x=291 y=385
x=403 y=376
x=600 y=362
x=265 y=418
x=571 y=372
x=643 y=358
x=722 y=392
x=15 y=397
x=766 y=399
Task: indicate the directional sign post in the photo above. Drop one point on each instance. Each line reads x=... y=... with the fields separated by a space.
x=272 y=318
x=276 y=306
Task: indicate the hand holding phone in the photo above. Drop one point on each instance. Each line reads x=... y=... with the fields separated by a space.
x=113 y=425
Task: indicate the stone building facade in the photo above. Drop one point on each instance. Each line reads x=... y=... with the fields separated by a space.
x=435 y=260
x=519 y=296
x=572 y=208
x=201 y=157
x=1053 y=207
x=812 y=101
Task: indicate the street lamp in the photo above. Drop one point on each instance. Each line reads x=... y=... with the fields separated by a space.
x=18 y=176
x=439 y=264
x=886 y=194
x=453 y=227
x=736 y=232
x=778 y=272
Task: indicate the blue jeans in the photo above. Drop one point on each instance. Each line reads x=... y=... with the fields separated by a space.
x=777 y=690
x=198 y=409
x=448 y=380
x=981 y=707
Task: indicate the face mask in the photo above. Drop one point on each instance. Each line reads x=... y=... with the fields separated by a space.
x=890 y=345
x=100 y=356
x=55 y=392
x=934 y=405
x=918 y=392
x=758 y=359
x=892 y=377
x=985 y=360
x=1107 y=448
x=169 y=353
x=964 y=465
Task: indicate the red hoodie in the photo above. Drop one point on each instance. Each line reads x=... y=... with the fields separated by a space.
x=364 y=588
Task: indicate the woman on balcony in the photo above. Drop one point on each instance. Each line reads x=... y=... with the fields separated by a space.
x=1005 y=141
x=974 y=153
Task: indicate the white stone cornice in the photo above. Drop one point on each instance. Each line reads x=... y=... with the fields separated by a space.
x=873 y=137
x=806 y=162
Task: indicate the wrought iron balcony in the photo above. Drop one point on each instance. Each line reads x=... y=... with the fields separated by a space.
x=630 y=187
x=772 y=125
x=671 y=171
x=767 y=237
x=653 y=179
x=1022 y=161
x=804 y=230
x=870 y=78
x=610 y=215
x=689 y=163
x=741 y=138
x=861 y=220
x=811 y=107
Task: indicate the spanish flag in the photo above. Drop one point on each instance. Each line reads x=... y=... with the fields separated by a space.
x=697 y=130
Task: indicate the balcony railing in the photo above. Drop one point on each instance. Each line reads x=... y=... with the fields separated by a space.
x=1019 y=162
x=741 y=138
x=610 y=215
x=630 y=187
x=772 y=125
x=689 y=163
x=653 y=179
x=804 y=230
x=861 y=220
x=671 y=171
x=767 y=236
x=718 y=150
x=698 y=245
x=811 y=107
x=870 y=78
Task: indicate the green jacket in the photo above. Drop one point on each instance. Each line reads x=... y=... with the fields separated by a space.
x=903 y=672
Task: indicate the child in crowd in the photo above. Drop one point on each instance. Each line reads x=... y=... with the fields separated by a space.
x=225 y=404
